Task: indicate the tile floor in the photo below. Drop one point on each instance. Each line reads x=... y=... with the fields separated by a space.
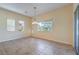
x=34 y=46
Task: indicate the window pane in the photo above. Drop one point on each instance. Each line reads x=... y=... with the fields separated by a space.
x=10 y=25
x=45 y=26
x=21 y=25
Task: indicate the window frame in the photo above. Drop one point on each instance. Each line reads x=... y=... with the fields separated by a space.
x=47 y=21
x=21 y=25
x=11 y=25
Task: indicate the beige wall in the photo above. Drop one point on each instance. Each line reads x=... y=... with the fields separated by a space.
x=75 y=5
x=63 y=25
x=6 y=35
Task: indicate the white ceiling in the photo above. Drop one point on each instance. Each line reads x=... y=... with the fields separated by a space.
x=23 y=7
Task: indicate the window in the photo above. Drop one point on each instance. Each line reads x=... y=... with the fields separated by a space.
x=21 y=25
x=45 y=26
x=10 y=25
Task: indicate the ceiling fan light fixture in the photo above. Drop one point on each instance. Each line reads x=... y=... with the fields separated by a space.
x=35 y=17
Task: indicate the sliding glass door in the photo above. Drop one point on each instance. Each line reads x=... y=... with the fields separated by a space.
x=76 y=29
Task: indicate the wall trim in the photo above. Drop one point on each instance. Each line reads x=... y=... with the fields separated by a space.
x=16 y=39
x=53 y=41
